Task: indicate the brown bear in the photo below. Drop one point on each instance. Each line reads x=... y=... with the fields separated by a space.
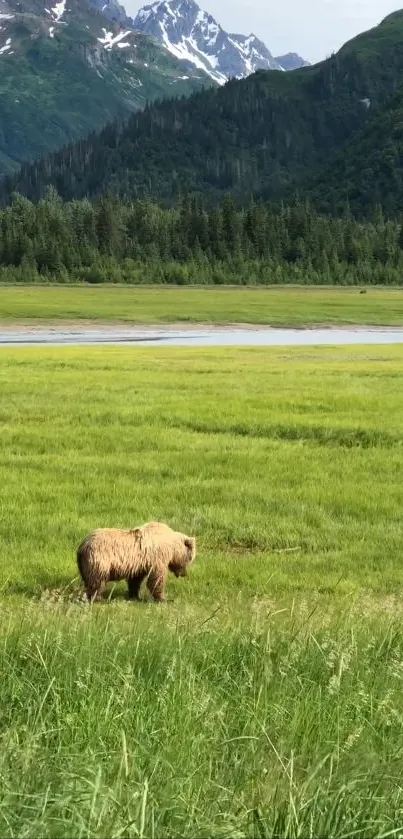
x=149 y=551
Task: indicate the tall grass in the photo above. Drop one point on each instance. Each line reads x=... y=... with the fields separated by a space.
x=265 y=699
x=115 y=725
x=287 y=306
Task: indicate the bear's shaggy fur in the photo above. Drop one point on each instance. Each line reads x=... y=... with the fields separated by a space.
x=148 y=552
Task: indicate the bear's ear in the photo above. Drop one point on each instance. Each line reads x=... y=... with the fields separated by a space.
x=135 y=532
x=190 y=544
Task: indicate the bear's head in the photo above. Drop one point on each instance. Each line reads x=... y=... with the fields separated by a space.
x=185 y=552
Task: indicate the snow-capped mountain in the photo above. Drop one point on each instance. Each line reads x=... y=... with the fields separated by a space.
x=195 y=37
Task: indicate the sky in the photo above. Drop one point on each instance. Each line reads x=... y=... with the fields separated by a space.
x=313 y=28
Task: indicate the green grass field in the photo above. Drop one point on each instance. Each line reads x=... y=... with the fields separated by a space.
x=265 y=699
x=286 y=306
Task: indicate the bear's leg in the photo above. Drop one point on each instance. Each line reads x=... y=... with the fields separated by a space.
x=94 y=590
x=155 y=585
x=134 y=584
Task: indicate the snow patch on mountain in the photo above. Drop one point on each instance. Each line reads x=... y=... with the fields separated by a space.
x=110 y=40
x=7 y=46
x=59 y=10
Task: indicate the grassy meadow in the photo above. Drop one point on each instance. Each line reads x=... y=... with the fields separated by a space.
x=265 y=699
x=273 y=305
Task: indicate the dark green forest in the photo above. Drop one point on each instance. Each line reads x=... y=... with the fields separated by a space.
x=134 y=242
x=369 y=170
x=332 y=132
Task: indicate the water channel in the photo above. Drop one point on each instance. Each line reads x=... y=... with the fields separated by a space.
x=198 y=336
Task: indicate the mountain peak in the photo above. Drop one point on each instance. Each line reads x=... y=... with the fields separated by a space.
x=291 y=61
x=194 y=36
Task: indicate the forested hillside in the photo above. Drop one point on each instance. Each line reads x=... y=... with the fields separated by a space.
x=267 y=135
x=369 y=169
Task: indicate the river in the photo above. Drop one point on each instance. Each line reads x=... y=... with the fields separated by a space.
x=193 y=335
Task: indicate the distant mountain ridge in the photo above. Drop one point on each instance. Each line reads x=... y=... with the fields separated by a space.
x=291 y=61
x=194 y=36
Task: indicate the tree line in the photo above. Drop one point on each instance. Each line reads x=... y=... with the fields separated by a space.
x=140 y=241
